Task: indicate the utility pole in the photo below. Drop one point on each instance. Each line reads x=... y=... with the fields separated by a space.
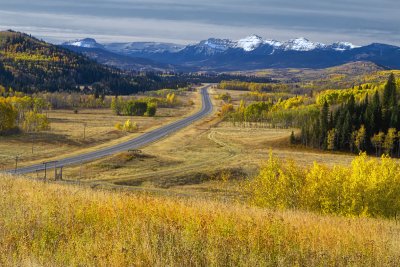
x=60 y=174
x=84 y=130
x=32 y=141
x=16 y=163
x=45 y=170
x=55 y=170
x=80 y=172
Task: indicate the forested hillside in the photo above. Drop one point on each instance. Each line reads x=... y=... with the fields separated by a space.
x=31 y=65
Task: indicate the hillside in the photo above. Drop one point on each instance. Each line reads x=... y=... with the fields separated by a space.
x=30 y=65
x=341 y=76
x=54 y=225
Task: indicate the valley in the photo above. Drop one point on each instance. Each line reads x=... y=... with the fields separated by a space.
x=247 y=152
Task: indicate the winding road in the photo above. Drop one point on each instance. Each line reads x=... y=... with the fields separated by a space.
x=135 y=143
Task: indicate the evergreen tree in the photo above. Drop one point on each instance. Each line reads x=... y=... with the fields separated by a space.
x=324 y=124
x=389 y=93
x=394 y=118
x=346 y=131
x=389 y=101
x=377 y=113
x=292 y=138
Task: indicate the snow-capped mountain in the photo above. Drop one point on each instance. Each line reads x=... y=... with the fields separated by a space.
x=86 y=43
x=211 y=45
x=252 y=52
x=301 y=44
x=342 y=46
x=127 y=48
x=139 y=47
x=250 y=43
x=253 y=42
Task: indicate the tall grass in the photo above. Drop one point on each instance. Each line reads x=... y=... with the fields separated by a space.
x=59 y=225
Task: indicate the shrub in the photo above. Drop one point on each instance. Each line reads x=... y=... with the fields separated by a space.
x=118 y=126
x=369 y=187
x=128 y=126
x=151 y=110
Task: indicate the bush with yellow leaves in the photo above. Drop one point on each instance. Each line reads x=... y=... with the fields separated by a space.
x=369 y=187
x=128 y=126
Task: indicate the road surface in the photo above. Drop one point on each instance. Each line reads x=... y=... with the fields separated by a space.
x=135 y=143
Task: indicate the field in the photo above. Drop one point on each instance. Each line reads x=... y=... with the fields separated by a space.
x=209 y=159
x=89 y=128
x=44 y=224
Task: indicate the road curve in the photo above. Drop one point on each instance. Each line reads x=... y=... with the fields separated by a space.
x=134 y=143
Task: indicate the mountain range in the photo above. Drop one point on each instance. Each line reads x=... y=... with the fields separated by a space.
x=250 y=53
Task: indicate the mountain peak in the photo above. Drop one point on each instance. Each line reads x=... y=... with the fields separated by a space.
x=250 y=43
x=302 y=44
x=342 y=46
x=86 y=43
x=217 y=44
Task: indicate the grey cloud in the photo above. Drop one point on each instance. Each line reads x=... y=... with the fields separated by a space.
x=187 y=21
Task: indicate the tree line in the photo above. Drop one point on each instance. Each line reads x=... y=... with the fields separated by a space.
x=146 y=106
x=370 y=124
x=22 y=112
x=252 y=86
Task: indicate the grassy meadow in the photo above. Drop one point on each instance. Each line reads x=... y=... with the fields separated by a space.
x=208 y=159
x=74 y=133
x=44 y=224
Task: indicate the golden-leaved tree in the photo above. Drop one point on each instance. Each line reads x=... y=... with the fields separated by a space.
x=8 y=115
x=35 y=122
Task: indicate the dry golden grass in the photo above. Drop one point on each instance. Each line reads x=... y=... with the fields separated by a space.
x=45 y=224
x=67 y=132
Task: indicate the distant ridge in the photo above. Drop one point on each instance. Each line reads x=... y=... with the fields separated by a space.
x=250 y=53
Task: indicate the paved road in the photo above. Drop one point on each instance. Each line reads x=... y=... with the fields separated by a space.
x=135 y=143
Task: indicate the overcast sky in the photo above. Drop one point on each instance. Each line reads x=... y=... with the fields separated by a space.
x=188 y=21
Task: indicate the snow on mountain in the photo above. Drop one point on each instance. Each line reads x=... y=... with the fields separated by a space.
x=212 y=46
x=273 y=43
x=149 y=47
x=301 y=44
x=249 y=43
x=86 y=43
x=342 y=46
x=252 y=42
x=218 y=44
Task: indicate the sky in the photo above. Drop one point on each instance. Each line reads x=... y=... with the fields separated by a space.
x=189 y=21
